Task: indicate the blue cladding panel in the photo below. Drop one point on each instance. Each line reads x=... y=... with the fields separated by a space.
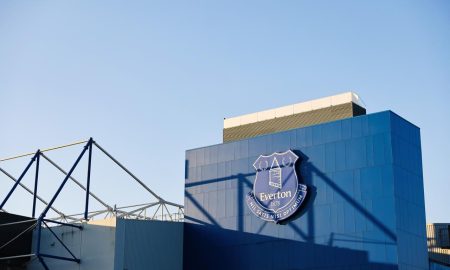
x=365 y=207
x=437 y=266
x=144 y=244
x=408 y=191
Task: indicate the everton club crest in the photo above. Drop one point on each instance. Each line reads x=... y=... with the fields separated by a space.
x=276 y=194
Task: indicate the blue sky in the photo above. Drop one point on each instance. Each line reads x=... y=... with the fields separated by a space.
x=149 y=79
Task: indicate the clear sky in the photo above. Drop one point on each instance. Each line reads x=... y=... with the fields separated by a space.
x=149 y=79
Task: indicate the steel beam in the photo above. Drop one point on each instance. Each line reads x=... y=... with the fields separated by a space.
x=59 y=258
x=31 y=192
x=88 y=184
x=36 y=177
x=43 y=263
x=44 y=150
x=63 y=224
x=62 y=243
x=128 y=172
x=65 y=180
x=18 y=180
x=76 y=182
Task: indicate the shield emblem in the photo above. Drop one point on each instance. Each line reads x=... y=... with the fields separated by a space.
x=277 y=193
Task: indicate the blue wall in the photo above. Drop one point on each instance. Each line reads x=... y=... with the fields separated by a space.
x=364 y=210
x=148 y=244
x=438 y=266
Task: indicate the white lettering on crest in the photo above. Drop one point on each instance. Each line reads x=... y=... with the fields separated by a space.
x=272 y=196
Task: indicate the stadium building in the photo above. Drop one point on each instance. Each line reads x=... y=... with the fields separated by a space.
x=314 y=185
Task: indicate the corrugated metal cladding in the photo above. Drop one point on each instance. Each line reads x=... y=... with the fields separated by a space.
x=365 y=209
x=293 y=121
x=439 y=242
x=142 y=244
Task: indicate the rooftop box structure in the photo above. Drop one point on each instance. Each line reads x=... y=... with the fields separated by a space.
x=302 y=114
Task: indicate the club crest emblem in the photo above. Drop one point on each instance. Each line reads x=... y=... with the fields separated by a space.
x=276 y=193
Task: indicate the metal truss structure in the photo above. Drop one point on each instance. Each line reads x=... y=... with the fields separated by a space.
x=156 y=209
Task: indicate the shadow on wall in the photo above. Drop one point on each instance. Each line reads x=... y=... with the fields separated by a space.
x=306 y=169
x=210 y=247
